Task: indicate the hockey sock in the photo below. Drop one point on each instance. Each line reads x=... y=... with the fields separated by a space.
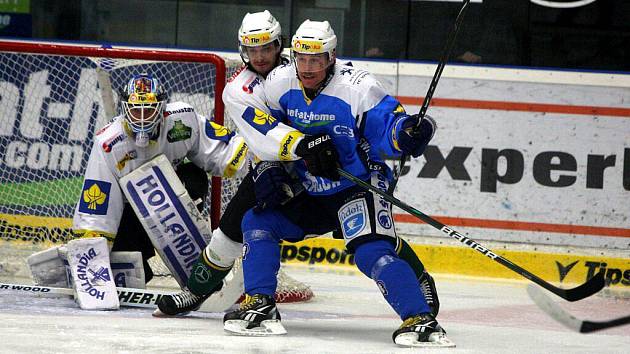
x=262 y=230
x=393 y=276
x=205 y=276
x=406 y=253
x=261 y=262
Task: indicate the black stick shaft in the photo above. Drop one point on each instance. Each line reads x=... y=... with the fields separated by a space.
x=587 y=289
x=450 y=41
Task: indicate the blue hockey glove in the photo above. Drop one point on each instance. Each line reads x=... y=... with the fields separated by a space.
x=320 y=155
x=412 y=141
x=272 y=185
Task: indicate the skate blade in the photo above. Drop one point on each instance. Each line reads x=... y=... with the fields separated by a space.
x=436 y=340
x=266 y=328
x=158 y=313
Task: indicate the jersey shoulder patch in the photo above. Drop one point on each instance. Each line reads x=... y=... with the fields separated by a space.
x=177 y=108
x=94 y=197
x=218 y=132
x=352 y=76
x=111 y=134
x=237 y=73
x=243 y=85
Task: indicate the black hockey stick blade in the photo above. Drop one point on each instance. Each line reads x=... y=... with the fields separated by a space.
x=561 y=315
x=590 y=287
x=587 y=289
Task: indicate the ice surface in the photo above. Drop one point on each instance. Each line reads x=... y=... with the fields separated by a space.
x=347 y=315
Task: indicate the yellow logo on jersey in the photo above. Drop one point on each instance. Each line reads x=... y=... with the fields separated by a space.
x=399 y=109
x=286 y=145
x=219 y=130
x=262 y=118
x=93 y=196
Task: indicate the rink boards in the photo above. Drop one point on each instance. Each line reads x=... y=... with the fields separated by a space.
x=561 y=268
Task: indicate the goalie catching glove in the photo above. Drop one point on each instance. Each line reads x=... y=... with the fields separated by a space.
x=319 y=155
x=413 y=137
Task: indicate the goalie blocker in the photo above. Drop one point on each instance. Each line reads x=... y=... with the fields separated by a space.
x=176 y=228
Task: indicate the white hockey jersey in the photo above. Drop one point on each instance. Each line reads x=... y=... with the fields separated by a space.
x=353 y=108
x=183 y=134
x=245 y=105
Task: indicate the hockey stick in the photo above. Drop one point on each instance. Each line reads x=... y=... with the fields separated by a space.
x=587 y=289
x=559 y=314
x=129 y=297
x=450 y=41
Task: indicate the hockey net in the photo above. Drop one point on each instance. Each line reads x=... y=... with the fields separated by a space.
x=53 y=97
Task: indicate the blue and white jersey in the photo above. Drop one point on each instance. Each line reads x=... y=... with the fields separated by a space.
x=353 y=109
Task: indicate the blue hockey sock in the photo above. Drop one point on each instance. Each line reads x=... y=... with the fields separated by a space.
x=261 y=262
x=393 y=276
x=262 y=230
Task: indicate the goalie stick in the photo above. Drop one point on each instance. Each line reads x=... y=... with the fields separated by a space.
x=587 y=289
x=559 y=314
x=129 y=297
x=436 y=77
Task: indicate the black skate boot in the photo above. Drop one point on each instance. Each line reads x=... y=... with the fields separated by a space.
x=427 y=285
x=257 y=316
x=179 y=304
x=421 y=331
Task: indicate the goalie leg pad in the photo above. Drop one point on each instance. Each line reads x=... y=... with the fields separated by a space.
x=47 y=268
x=127 y=269
x=91 y=274
x=168 y=214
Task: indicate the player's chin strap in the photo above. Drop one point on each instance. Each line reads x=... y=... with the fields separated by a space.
x=427 y=98
x=587 y=289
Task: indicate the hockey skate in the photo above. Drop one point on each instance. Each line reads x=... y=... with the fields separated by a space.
x=256 y=316
x=421 y=331
x=179 y=304
x=427 y=285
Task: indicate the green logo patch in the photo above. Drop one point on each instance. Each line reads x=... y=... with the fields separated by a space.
x=179 y=132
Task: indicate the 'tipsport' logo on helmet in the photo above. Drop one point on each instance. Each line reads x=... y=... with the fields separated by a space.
x=255 y=39
x=303 y=46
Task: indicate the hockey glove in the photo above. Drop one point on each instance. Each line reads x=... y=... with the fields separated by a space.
x=272 y=185
x=319 y=155
x=414 y=138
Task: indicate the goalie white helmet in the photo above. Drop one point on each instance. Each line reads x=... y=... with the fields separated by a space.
x=143 y=103
x=314 y=37
x=258 y=29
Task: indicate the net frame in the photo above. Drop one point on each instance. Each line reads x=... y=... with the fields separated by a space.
x=289 y=290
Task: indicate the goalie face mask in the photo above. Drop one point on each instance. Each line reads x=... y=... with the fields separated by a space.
x=143 y=104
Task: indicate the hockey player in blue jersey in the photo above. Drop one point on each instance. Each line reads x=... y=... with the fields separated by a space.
x=328 y=116
x=260 y=45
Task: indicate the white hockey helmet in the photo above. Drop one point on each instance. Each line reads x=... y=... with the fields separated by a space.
x=143 y=102
x=258 y=29
x=314 y=37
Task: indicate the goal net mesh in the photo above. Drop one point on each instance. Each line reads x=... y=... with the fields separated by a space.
x=51 y=105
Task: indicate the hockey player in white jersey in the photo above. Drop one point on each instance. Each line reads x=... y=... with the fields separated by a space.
x=260 y=46
x=328 y=116
x=149 y=127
